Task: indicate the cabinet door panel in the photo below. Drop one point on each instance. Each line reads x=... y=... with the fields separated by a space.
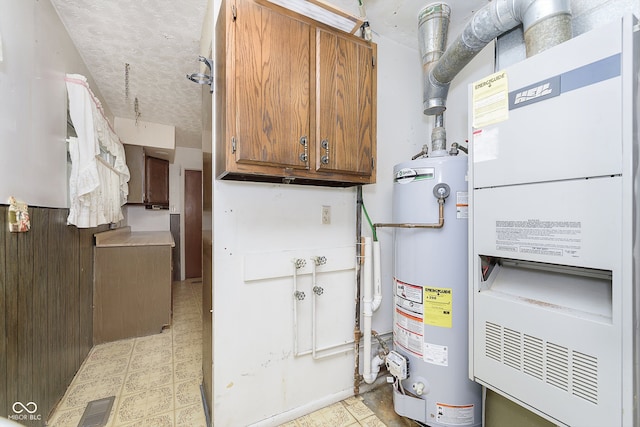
x=272 y=87
x=344 y=110
x=156 y=181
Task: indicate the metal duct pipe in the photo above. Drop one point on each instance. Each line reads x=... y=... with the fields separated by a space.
x=546 y=23
x=433 y=25
x=438 y=138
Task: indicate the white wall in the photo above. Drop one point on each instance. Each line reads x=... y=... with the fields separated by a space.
x=141 y=219
x=37 y=53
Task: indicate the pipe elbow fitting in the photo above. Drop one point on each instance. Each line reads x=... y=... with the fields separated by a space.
x=534 y=11
x=435 y=94
x=371 y=376
x=375 y=304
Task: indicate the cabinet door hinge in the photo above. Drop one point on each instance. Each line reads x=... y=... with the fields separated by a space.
x=233 y=144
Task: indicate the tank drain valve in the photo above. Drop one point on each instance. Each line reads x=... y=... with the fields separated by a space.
x=418 y=388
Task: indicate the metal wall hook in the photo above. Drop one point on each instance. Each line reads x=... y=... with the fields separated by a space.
x=201 y=78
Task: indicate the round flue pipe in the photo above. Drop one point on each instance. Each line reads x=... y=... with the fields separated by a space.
x=546 y=23
x=433 y=25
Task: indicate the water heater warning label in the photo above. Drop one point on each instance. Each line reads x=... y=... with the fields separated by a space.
x=462 y=205
x=438 y=305
x=408 y=327
x=408 y=332
x=409 y=297
x=456 y=415
x=533 y=236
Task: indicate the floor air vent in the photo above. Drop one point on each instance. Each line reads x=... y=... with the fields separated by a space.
x=569 y=370
x=97 y=412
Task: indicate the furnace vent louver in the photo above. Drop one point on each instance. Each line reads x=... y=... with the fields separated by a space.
x=585 y=377
x=512 y=348
x=568 y=370
x=493 y=344
x=533 y=357
x=557 y=366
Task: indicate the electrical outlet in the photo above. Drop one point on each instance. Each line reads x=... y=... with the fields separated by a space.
x=326 y=214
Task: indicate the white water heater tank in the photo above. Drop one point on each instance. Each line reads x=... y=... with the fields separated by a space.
x=431 y=295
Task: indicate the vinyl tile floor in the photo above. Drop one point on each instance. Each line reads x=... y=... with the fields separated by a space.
x=156 y=380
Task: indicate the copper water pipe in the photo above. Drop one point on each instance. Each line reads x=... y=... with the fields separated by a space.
x=439 y=224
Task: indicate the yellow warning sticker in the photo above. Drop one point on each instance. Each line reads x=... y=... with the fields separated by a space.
x=438 y=304
x=490 y=100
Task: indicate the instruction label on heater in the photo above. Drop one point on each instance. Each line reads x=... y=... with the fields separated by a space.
x=436 y=354
x=408 y=331
x=438 y=307
x=409 y=297
x=457 y=415
x=534 y=236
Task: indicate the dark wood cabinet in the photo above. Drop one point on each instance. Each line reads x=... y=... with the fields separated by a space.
x=156 y=181
x=296 y=99
x=149 y=178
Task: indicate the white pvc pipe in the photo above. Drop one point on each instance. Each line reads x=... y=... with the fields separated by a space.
x=295 y=309
x=313 y=308
x=367 y=312
x=377 y=286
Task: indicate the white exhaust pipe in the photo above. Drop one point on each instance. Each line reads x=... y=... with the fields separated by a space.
x=377 y=285
x=371 y=365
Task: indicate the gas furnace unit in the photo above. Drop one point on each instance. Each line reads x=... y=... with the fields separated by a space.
x=554 y=230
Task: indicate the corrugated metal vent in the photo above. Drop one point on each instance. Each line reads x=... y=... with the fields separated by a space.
x=97 y=412
x=569 y=370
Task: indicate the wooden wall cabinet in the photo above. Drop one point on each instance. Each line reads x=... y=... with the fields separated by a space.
x=149 y=177
x=297 y=99
x=345 y=118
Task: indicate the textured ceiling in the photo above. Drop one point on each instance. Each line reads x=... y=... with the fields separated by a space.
x=398 y=19
x=160 y=40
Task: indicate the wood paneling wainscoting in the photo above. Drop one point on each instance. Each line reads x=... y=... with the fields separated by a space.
x=46 y=323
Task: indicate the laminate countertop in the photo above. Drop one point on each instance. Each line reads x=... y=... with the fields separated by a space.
x=125 y=237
